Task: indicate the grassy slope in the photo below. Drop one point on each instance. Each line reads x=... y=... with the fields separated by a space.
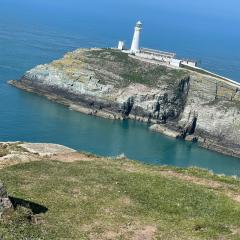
x=135 y=71
x=107 y=199
x=112 y=61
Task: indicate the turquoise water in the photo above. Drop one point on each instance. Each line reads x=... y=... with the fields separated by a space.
x=34 y=32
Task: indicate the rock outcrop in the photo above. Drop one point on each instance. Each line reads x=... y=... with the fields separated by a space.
x=46 y=149
x=18 y=152
x=212 y=112
x=5 y=203
x=109 y=83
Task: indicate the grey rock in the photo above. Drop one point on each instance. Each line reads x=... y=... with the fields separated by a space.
x=46 y=149
x=5 y=203
x=110 y=83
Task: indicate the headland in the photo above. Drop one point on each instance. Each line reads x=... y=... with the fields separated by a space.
x=190 y=105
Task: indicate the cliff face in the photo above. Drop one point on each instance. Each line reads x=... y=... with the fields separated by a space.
x=109 y=80
x=216 y=107
x=116 y=85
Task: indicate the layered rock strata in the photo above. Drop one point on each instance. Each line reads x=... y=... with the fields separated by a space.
x=112 y=84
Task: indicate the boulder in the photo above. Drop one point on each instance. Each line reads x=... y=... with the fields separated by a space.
x=5 y=202
x=163 y=129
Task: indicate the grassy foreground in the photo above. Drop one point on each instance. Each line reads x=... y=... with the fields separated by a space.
x=99 y=198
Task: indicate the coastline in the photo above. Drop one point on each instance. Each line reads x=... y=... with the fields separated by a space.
x=165 y=129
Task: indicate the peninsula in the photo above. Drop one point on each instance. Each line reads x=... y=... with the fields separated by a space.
x=182 y=101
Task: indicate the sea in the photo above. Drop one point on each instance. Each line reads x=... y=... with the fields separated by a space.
x=39 y=31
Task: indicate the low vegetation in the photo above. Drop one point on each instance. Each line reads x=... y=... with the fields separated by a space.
x=100 y=198
x=117 y=68
x=135 y=71
x=3 y=152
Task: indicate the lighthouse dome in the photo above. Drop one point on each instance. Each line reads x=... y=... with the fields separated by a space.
x=139 y=23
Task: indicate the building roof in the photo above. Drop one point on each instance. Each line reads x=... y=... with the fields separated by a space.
x=157 y=52
x=139 y=23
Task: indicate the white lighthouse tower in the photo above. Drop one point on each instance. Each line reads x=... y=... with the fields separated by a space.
x=136 y=38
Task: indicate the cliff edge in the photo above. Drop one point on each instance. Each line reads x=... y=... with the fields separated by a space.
x=112 y=84
x=54 y=192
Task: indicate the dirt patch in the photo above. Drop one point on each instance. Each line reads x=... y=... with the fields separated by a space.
x=145 y=233
x=129 y=232
x=218 y=186
x=126 y=201
x=72 y=157
x=234 y=196
x=200 y=181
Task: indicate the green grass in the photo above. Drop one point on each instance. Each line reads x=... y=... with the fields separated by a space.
x=95 y=199
x=132 y=70
x=3 y=152
x=203 y=71
x=113 y=67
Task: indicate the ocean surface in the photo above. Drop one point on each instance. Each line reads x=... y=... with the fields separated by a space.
x=35 y=32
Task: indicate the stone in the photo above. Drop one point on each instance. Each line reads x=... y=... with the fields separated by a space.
x=163 y=129
x=46 y=149
x=5 y=203
x=37 y=219
x=191 y=138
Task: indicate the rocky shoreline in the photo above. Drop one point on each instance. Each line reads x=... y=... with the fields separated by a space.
x=109 y=84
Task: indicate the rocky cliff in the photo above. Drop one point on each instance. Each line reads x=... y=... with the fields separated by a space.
x=109 y=83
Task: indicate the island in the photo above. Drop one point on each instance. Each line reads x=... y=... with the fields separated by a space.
x=179 y=102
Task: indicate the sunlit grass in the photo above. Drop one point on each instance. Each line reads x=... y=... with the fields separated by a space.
x=94 y=199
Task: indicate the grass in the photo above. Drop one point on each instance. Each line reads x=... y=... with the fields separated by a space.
x=117 y=199
x=3 y=152
x=203 y=71
x=131 y=70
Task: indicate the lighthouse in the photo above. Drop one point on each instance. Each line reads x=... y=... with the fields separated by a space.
x=136 y=38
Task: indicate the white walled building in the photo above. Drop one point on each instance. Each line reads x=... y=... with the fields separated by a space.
x=152 y=54
x=189 y=63
x=121 y=45
x=175 y=62
x=156 y=55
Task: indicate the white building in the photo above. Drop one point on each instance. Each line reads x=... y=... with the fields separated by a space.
x=156 y=55
x=121 y=45
x=190 y=63
x=152 y=54
x=136 y=38
x=175 y=62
